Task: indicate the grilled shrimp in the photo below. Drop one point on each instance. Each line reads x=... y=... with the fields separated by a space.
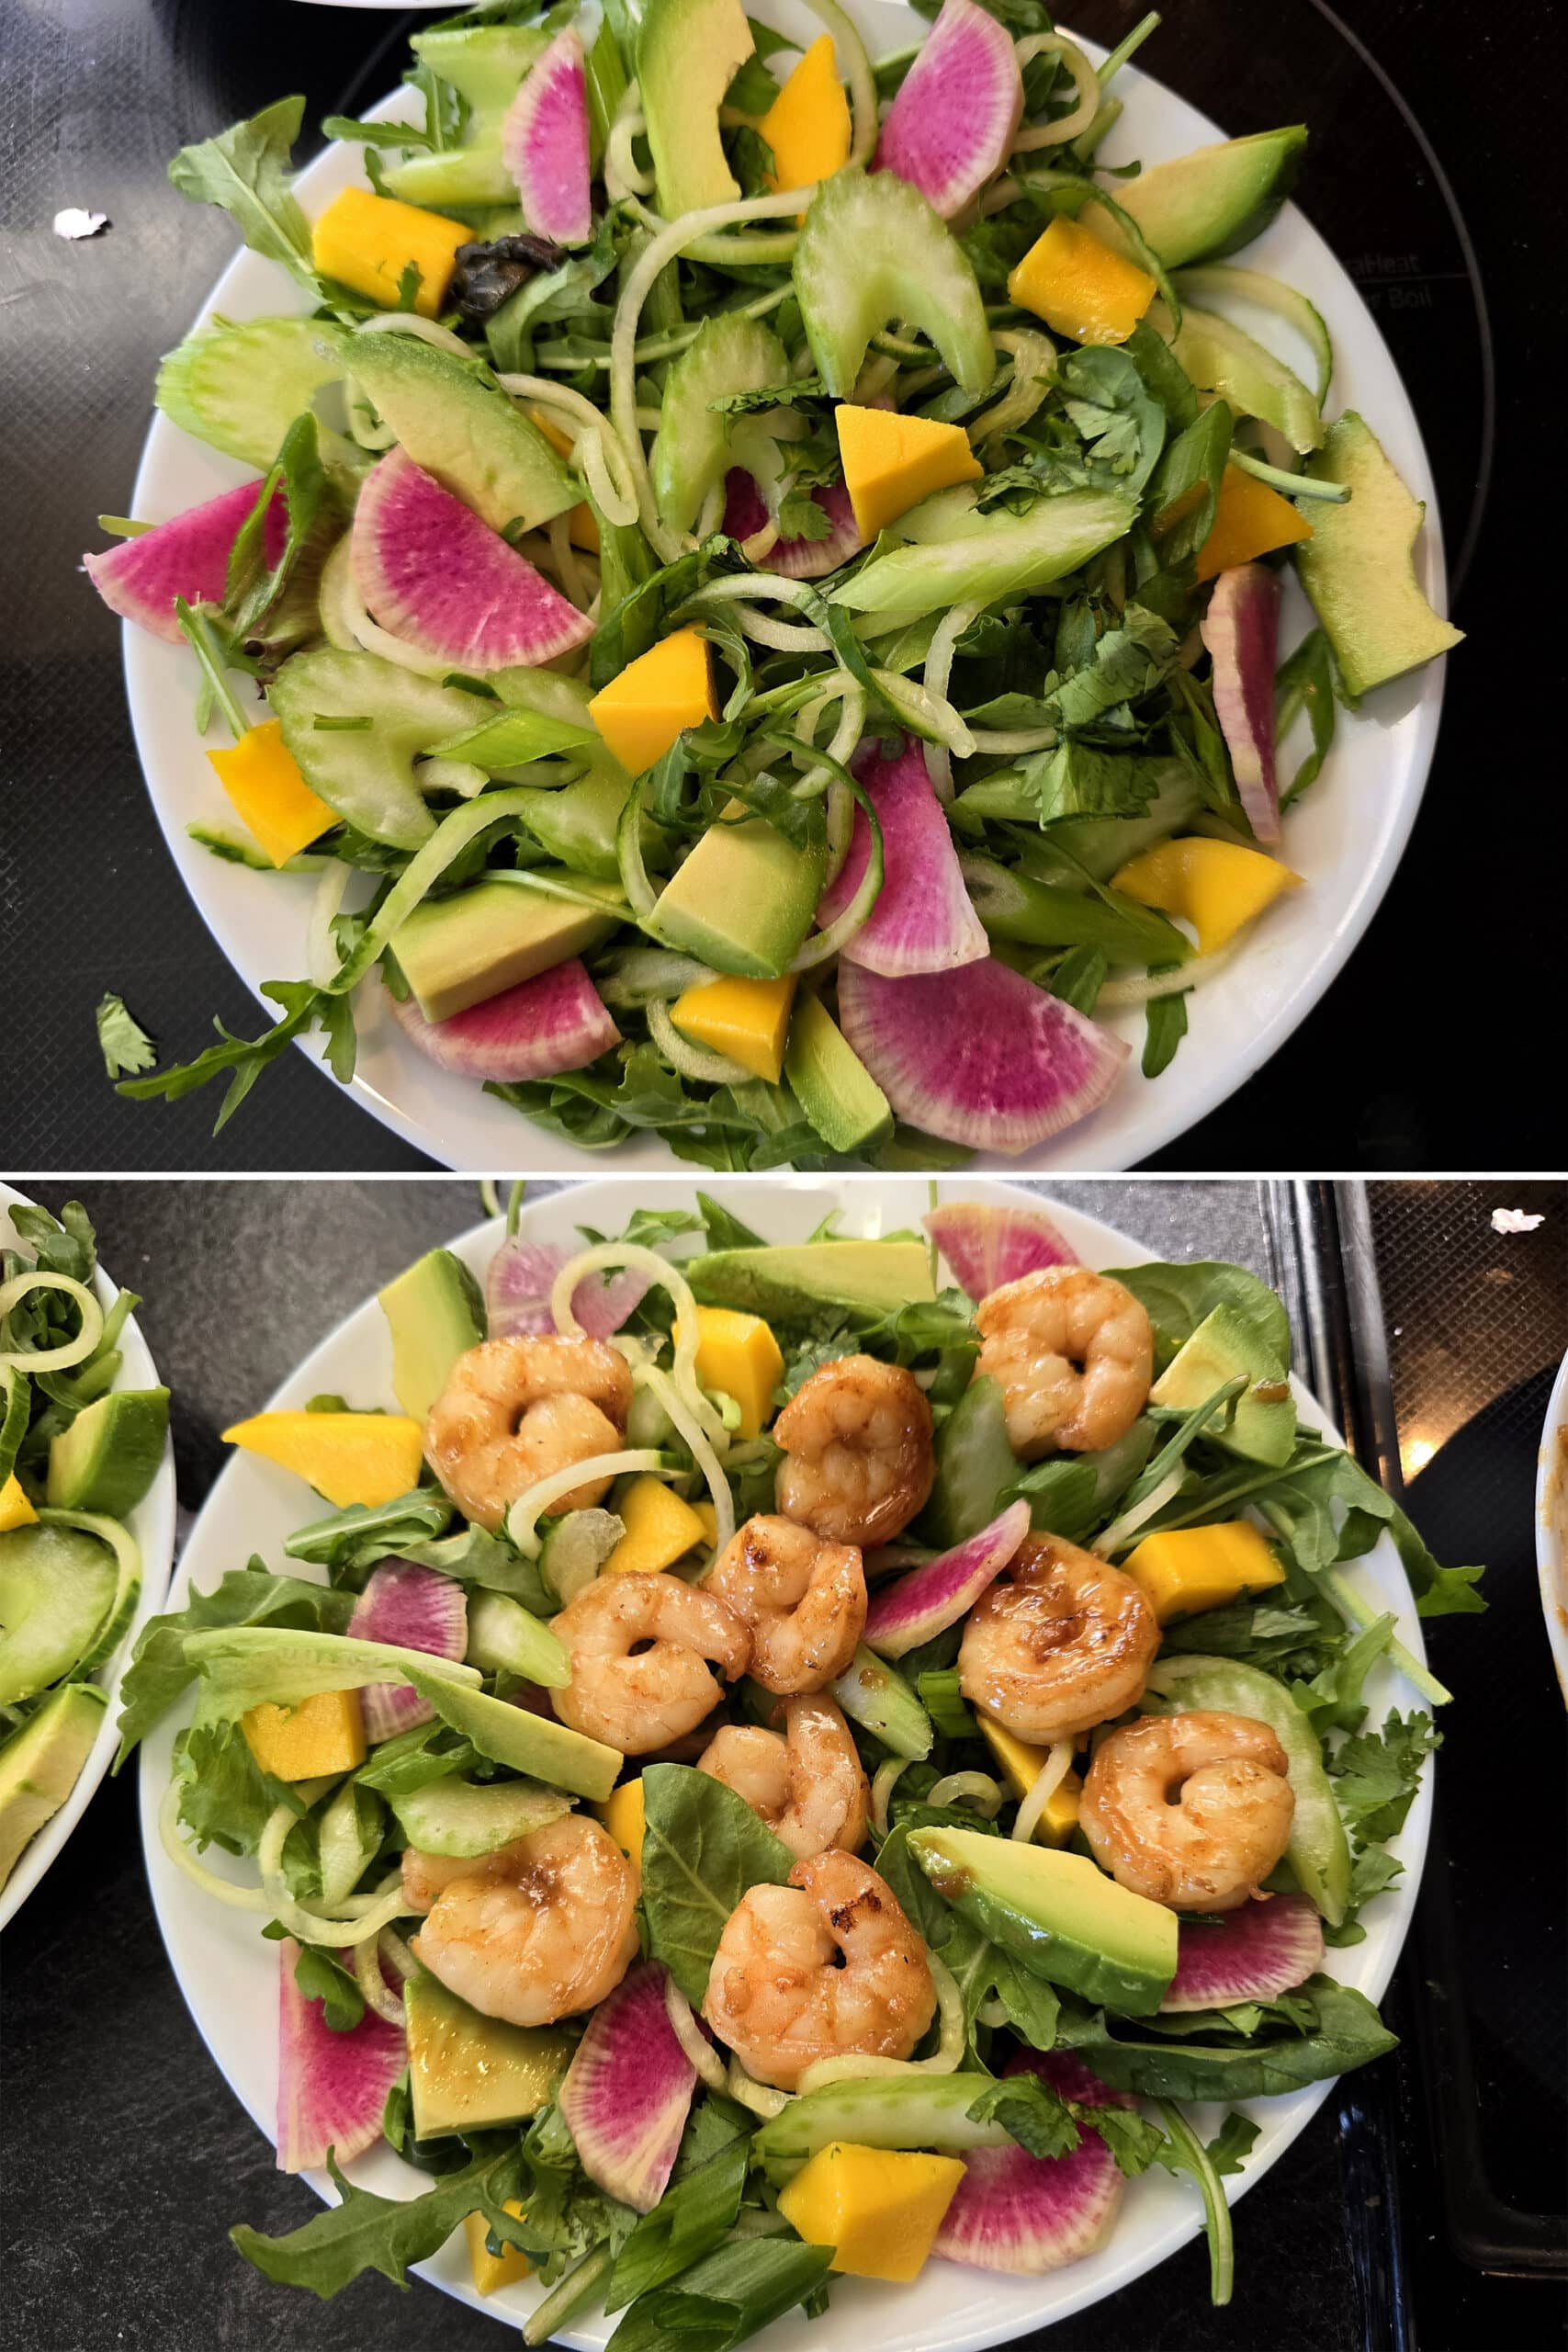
x=538 y=1930
x=1059 y=1644
x=1075 y=1357
x=1192 y=1811
x=802 y=1598
x=857 y=1441
x=827 y=1964
x=640 y=1648
x=807 y=1784
x=514 y=1411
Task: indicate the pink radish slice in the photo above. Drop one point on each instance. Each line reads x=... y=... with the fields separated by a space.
x=1241 y=629
x=954 y=121
x=929 y=1599
x=544 y=144
x=745 y=511
x=1030 y=2215
x=555 y=1022
x=625 y=2093
x=412 y=1609
x=188 y=556
x=431 y=571
x=978 y=1056
x=922 y=921
x=522 y=1274
x=987 y=1247
x=1252 y=1954
x=331 y=2087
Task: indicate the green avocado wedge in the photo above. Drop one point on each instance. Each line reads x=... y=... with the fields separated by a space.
x=41 y=1764
x=1198 y=207
x=1356 y=566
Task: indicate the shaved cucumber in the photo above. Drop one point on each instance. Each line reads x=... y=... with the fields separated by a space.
x=731 y=354
x=57 y=1586
x=872 y=251
x=883 y=2111
x=993 y=555
x=239 y=388
x=1214 y=280
x=367 y=773
x=463 y=1819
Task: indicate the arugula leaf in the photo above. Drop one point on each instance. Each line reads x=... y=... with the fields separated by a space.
x=724 y=1230
x=252 y=1596
x=1164 y=1027
x=1078 y=978
x=385 y=2233
x=1231 y=2144
x=1184 y=2152
x=1332 y=1701
x=246 y=171
x=243 y=1059
x=688 y=2221
x=703 y=1848
x=1031 y=2111
x=1376 y=1774
x=1185 y=488
x=1348 y=2033
x=357 y=1537
x=122 y=1041
x=724 y=2298
x=1308 y=680
x=564 y=2216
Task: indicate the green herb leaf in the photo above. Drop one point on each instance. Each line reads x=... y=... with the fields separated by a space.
x=321 y=1977
x=1376 y=1774
x=729 y=2296
x=703 y=1848
x=246 y=171
x=385 y=2233
x=688 y=2221
x=122 y=1041
x=158 y=1672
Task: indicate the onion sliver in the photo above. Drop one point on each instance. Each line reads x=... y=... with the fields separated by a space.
x=536 y=1499
x=684 y=2024
x=1042 y=1788
x=69 y=1352
x=945 y=2059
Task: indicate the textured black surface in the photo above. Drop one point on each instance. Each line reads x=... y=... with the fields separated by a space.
x=96 y=95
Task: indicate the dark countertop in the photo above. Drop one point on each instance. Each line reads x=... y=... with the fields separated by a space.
x=97 y=94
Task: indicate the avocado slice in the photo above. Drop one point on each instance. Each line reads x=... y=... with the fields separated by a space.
x=1262 y=1421
x=1057 y=1912
x=1357 y=568
x=789 y=1280
x=458 y=951
x=435 y=1312
x=688 y=53
x=470 y=2073
x=544 y=1749
x=1210 y=202
x=485 y=64
x=832 y=1083
x=108 y=1456
x=460 y=425
x=41 y=1765
x=743 y=900
x=56 y=1587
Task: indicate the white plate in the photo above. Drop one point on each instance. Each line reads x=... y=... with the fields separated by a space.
x=1551 y=1524
x=229 y=1975
x=152 y=1524
x=1347 y=837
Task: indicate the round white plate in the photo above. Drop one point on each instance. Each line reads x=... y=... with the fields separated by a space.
x=229 y=1975
x=1346 y=837
x=152 y=1524
x=1551 y=1524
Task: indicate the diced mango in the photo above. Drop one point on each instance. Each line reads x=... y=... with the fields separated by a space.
x=807 y=126
x=879 y=2209
x=367 y=242
x=1218 y=887
x=738 y=1353
x=1073 y=281
x=348 y=1457
x=891 y=463
x=669 y=687
x=15 y=1509
x=1251 y=520
x=660 y=1528
x=493 y=2271
x=261 y=779
x=1189 y=1568
x=709 y=1517
x=748 y=1020
x=622 y=1814
x=1020 y=1765
x=583 y=523
x=322 y=1736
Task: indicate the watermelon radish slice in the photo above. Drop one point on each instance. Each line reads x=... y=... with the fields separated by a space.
x=1030 y=2215
x=435 y=576
x=978 y=1056
x=413 y=1608
x=544 y=144
x=987 y=1247
x=522 y=1274
x=922 y=921
x=1253 y=1955
x=746 y=510
x=331 y=2087
x=1241 y=629
x=188 y=556
x=625 y=2093
x=556 y=1021
x=930 y=1599
x=952 y=126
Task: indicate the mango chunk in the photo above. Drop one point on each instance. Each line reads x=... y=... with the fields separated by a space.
x=668 y=688
x=1218 y=887
x=1190 y=1568
x=582 y=522
x=623 y=1814
x=261 y=779
x=891 y=463
x=879 y=2209
x=348 y=1457
x=807 y=126
x=1073 y=281
x=660 y=1528
x=322 y=1736
x=493 y=2271
x=1251 y=520
x=1020 y=1765
x=709 y=1518
x=367 y=242
x=15 y=1509
x=740 y=1354
x=748 y=1020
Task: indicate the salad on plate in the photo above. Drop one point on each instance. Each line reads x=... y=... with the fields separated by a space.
x=765 y=576
x=779 y=1765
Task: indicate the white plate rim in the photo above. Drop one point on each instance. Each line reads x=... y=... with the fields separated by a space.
x=1551 y=1524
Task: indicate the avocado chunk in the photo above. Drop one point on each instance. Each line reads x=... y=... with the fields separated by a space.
x=108 y=1456
x=436 y=1313
x=743 y=900
x=470 y=2073
x=1261 y=1423
x=791 y=1281
x=1208 y=203
x=1057 y=1912
x=832 y=1083
x=485 y=64
x=57 y=1587
x=688 y=53
x=544 y=1749
x=457 y=952
x=41 y=1764
x=973 y=1464
x=465 y=431
x=1357 y=568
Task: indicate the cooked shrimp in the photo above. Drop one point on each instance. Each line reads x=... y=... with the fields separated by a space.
x=639 y=1648
x=538 y=1931
x=802 y=1598
x=827 y=1964
x=857 y=1441
x=1059 y=1643
x=807 y=1784
x=514 y=1411
x=1074 y=1354
x=1192 y=1811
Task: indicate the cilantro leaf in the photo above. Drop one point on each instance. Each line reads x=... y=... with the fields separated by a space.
x=1376 y=1774
x=124 y=1044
